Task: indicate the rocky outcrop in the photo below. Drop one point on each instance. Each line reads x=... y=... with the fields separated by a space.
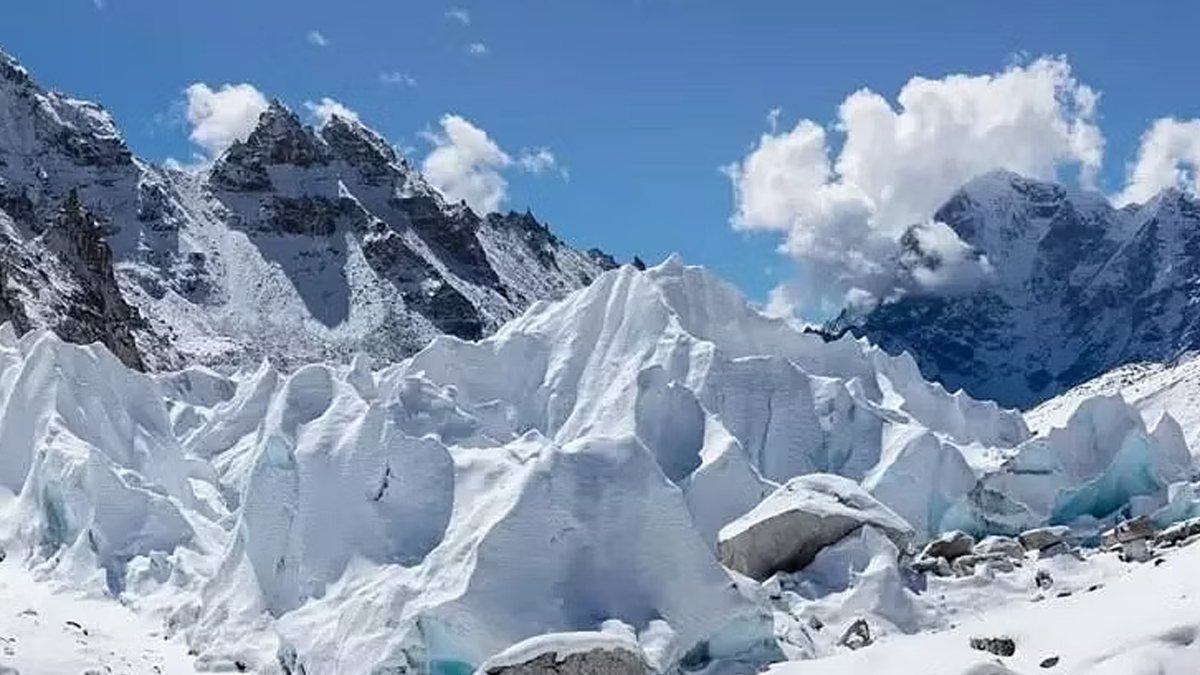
x=787 y=530
x=94 y=311
x=63 y=279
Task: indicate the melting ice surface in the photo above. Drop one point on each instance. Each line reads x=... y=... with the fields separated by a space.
x=568 y=474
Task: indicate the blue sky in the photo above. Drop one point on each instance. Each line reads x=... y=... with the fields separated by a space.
x=642 y=100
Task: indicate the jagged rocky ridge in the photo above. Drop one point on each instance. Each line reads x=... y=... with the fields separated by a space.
x=297 y=244
x=1079 y=287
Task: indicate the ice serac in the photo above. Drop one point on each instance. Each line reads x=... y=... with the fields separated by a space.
x=87 y=449
x=1080 y=287
x=334 y=477
x=298 y=244
x=564 y=538
x=787 y=530
x=1086 y=471
x=628 y=347
x=921 y=477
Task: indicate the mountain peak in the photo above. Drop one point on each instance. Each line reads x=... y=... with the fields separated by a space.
x=1080 y=287
x=361 y=147
x=279 y=138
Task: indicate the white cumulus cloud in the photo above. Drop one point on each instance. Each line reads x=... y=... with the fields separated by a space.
x=477 y=49
x=322 y=111
x=317 y=39
x=843 y=207
x=221 y=116
x=1169 y=156
x=465 y=164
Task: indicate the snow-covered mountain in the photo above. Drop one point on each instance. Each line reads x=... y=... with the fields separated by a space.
x=1079 y=288
x=297 y=244
x=571 y=484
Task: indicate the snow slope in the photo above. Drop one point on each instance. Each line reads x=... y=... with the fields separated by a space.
x=43 y=630
x=571 y=472
x=1140 y=620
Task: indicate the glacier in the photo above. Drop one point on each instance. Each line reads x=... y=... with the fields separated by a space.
x=570 y=474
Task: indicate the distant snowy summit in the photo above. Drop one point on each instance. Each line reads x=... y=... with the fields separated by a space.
x=296 y=244
x=1078 y=288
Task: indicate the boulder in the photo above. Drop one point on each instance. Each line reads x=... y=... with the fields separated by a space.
x=1132 y=537
x=857 y=635
x=1057 y=549
x=964 y=565
x=950 y=545
x=1044 y=537
x=995 y=545
x=1178 y=532
x=1129 y=531
x=788 y=528
x=1000 y=646
x=583 y=653
x=938 y=566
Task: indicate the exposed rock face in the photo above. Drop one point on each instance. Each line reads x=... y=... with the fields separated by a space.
x=1079 y=288
x=298 y=244
x=786 y=530
x=95 y=311
x=63 y=279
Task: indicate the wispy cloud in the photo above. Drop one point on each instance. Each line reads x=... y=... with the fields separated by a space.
x=397 y=79
x=540 y=160
x=773 y=119
x=460 y=15
x=99 y=4
x=477 y=49
x=316 y=39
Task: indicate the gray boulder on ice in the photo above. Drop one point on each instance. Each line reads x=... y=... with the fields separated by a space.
x=787 y=530
x=950 y=545
x=582 y=653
